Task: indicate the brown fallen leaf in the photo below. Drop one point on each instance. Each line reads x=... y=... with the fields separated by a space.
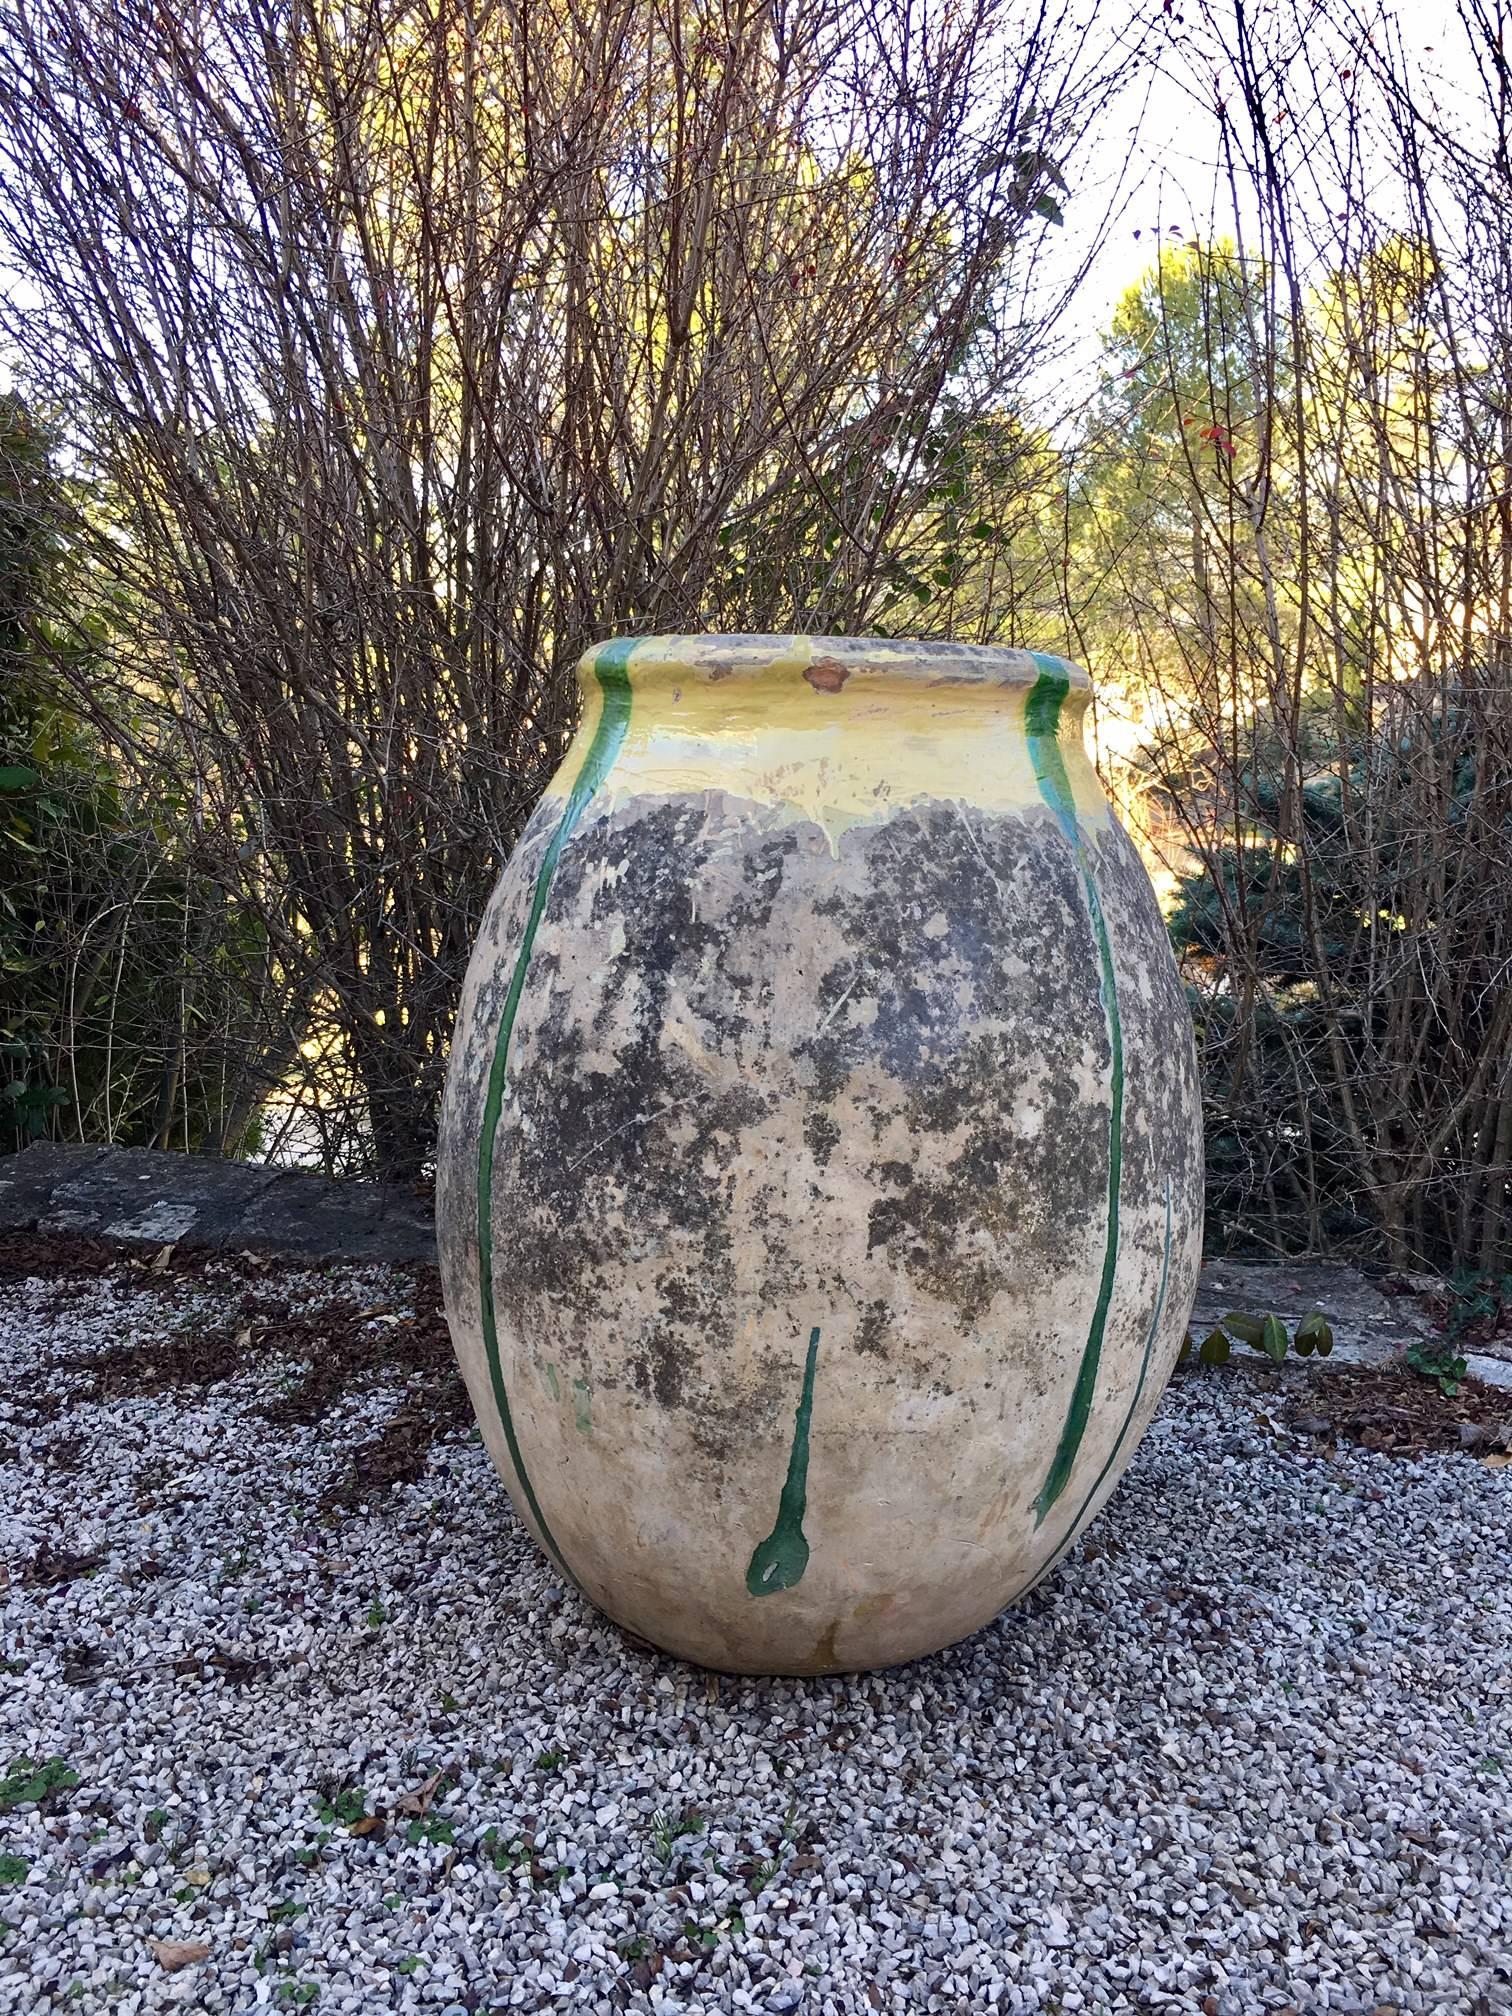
x=419 y=1800
x=1498 y=1459
x=368 y=1824
x=160 y=1264
x=172 y=1954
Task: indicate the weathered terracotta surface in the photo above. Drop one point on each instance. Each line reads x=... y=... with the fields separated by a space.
x=831 y=1089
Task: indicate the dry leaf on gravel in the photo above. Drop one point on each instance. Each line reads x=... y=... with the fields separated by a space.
x=172 y=1954
x=419 y=1800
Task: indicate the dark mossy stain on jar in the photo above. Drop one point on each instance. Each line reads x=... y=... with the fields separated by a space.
x=821 y=1135
x=872 y=1330
x=680 y=1166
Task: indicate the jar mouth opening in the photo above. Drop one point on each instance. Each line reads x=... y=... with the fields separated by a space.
x=826 y=664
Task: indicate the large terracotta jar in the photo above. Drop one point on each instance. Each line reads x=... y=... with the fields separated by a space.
x=821 y=1165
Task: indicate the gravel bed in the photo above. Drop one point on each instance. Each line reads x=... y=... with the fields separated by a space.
x=1250 y=1748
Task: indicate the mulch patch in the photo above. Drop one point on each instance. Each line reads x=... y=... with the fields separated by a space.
x=53 y=1256
x=1397 y=1412
x=44 y=1255
x=191 y=1357
x=55 y=1567
x=333 y=1351
x=346 y=1345
x=397 y=1456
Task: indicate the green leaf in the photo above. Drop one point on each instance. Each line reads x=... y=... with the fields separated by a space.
x=1215 y=1349
x=1046 y=206
x=13 y=1870
x=1273 y=1339
x=1248 y=1329
x=27 y=1784
x=18 y=777
x=1314 y=1334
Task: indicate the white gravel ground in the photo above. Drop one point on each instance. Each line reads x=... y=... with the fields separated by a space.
x=1251 y=1748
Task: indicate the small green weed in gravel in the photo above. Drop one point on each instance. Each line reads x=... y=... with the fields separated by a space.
x=762 y=1874
x=28 y=1784
x=13 y=1870
x=431 y=1832
x=709 y=1936
x=341 y=1805
x=667 y=1831
x=504 y=1856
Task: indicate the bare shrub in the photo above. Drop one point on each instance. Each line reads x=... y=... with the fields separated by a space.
x=411 y=345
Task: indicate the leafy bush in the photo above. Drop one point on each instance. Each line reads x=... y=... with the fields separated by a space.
x=126 y=975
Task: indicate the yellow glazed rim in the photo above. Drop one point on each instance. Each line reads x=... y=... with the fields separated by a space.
x=829 y=664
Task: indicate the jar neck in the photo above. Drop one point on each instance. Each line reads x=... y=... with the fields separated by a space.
x=817 y=680
x=998 y=731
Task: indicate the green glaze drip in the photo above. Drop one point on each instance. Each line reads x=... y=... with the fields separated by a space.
x=1042 y=713
x=611 y=668
x=1128 y=1420
x=779 y=1562
x=582 y=1406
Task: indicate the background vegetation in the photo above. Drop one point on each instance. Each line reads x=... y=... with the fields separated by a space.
x=370 y=361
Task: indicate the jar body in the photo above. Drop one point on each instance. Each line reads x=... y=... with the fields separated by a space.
x=820 y=1180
